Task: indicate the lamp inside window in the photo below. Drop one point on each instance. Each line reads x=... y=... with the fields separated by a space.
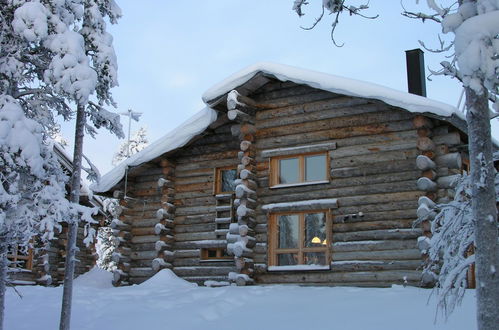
x=300 y=239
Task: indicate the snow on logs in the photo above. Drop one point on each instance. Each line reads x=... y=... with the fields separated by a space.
x=240 y=240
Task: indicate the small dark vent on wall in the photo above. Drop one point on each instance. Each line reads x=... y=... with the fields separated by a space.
x=415 y=71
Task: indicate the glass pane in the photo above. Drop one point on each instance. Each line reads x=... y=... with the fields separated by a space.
x=289 y=171
x=288 y=231
x=315 y=258
x=212 y=253
x=315 y=168
x=287 y=259
x=228 y=177
x=315 y=230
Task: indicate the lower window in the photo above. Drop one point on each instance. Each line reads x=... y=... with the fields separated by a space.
x=300 y=238
x=214 y=254
x=20 y=259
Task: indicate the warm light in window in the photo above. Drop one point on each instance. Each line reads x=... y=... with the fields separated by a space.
x=316 y=240
x=324 y=242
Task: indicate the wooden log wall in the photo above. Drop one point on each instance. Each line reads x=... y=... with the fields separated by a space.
x=373 y=176
x=195 y=204
x=440 y=163
x=144 y=230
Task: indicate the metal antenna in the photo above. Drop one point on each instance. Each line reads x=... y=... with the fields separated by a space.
x=135 y=116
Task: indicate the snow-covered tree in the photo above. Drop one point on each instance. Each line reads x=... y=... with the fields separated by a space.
x=106 y=244
x=32 y=186
x=138 y=141
x=474 y=61
x=54 y=54
x=450 y=248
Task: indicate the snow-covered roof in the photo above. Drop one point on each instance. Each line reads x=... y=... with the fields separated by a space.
x=171 y=141
x=332 y=83
x=336 y=84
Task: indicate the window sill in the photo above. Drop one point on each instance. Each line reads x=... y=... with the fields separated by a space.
x=297 y=268
x=299 y=184
x=217 y=260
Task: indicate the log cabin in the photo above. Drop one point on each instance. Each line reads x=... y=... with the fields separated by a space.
x=289 y=176
x=44 y=263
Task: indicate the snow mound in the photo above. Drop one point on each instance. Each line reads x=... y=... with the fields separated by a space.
x=166 y=279
x=95 y=278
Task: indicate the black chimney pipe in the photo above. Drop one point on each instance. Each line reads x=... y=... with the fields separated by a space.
x=416 y=82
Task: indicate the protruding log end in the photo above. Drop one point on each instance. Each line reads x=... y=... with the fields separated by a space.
x=426 y=184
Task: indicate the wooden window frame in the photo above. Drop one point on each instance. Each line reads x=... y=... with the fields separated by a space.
x=217 y=187
x=275 y=168
x=301 y=250
x=219 y=254
x=15 y=257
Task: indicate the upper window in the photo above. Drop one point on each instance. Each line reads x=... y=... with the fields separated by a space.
x=19 y=258
x=299 y=169
x=225 y=179
x=300 y=239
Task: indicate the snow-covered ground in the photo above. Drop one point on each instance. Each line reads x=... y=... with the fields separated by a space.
x=167 y=302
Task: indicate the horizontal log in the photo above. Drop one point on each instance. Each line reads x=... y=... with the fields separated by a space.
x=447 y=182
x=142 y=272
x=189 y=262
x=200 y=271
x=451 y=160
x=397 y=234
x=381 y=168
x=332 y=278
x=373 y=245
x=413 y=254
x=181 y=237
x=298 y=150
x=143 y=255
x=375 y=265
x=187 y=245
x=348 y=135
x=203 y=227
x=240 y=116
x=346 y=195
x=372 y=225
x=187 y=254
x=333 y=123
x=372 y=158
x=151 y=239
x=341 y=104
x=319 y=111
x=450 y=139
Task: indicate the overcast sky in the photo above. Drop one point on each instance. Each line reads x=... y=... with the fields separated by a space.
x=170 y=52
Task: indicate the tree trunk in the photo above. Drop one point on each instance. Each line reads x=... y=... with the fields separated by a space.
x=3 y=280
x=484 y=209
x=70 y=262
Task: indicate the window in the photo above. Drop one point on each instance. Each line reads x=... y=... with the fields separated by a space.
x=300 y=238
x=224 y=179
x=299 y=169
x=19 y=258
x=214 y=254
